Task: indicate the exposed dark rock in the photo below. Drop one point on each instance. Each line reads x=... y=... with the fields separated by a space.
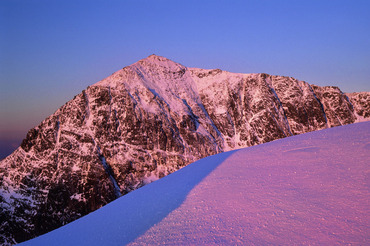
x=147 y=121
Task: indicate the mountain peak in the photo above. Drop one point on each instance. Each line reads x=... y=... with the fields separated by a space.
x=158 y=63
x=155 y=59
x=152 y=63
x=144 y=122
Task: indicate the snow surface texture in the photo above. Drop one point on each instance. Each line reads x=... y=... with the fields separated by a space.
x=144 y=122
x=306 y=189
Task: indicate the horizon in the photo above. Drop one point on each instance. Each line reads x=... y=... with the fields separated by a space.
x=51 y=51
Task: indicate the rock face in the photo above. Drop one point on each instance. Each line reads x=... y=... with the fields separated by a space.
x=147 y=121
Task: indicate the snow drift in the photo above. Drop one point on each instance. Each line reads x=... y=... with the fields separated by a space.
x=306 y=189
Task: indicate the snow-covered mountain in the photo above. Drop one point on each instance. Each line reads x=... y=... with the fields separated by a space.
x=145 y=122
x=310 y=189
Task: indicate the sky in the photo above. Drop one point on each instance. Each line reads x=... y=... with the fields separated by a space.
x=50 y=50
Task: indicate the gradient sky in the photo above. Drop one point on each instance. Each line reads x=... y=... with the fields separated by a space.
x=51 y=50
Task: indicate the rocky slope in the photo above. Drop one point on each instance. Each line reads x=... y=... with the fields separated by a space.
x=144 y=122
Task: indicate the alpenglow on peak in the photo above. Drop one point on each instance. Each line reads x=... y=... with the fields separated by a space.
x=144 y=122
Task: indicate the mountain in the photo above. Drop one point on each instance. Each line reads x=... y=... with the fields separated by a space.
x=303 y=190
x=144 y=122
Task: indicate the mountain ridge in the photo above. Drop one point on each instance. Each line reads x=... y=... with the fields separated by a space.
x=145 y=121
x=306 y=189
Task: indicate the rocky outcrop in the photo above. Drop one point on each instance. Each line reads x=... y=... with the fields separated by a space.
x=147 y=121
x=360 y=104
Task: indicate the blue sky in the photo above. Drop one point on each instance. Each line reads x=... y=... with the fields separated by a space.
x=51 y=50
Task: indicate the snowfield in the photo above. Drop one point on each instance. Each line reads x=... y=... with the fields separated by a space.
x=306 y=189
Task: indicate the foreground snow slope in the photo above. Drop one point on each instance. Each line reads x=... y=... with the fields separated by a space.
x=306 y=189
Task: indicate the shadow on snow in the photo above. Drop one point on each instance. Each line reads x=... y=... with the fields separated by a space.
x=129 y=217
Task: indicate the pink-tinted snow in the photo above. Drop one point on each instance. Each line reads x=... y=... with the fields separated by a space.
x=307 y=189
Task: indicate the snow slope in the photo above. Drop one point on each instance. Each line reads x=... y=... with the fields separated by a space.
x=306 y=189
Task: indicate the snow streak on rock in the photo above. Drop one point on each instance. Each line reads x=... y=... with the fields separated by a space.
x=145 y=122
